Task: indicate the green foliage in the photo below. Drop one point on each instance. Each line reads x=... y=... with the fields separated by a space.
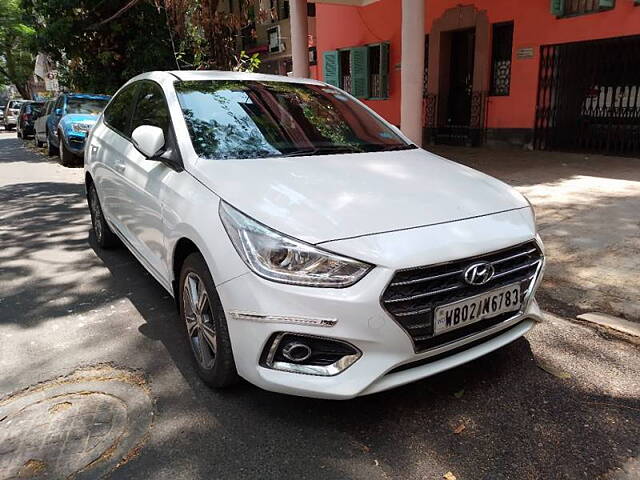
x=246 y=63
x=100 y=44
x=17 y=46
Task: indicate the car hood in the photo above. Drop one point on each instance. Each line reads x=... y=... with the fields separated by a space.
x=79 y=118
x=329 y=197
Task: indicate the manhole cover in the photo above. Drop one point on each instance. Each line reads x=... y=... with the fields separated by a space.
x=79 y=426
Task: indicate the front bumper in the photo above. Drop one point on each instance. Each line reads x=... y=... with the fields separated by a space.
x=361 y=321
x=75 y=142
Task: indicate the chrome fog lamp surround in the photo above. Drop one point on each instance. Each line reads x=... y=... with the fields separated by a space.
x=290 y=319
x=330 y=370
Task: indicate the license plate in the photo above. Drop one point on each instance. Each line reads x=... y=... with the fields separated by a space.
x=471 y=310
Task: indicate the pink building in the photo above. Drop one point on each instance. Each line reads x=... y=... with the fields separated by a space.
x=557 y=74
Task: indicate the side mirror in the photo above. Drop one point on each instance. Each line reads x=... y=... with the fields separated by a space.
x=58 y=112
x=149 y=140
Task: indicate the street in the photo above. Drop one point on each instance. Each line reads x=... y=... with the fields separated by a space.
x=561 y=403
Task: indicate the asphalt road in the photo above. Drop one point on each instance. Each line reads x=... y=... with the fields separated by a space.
x=64 y=305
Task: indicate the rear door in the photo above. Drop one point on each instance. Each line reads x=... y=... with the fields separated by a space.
x=142 y=181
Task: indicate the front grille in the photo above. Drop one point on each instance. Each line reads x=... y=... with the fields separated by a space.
x=414 y=294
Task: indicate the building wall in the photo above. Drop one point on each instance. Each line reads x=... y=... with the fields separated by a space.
x=340 y=26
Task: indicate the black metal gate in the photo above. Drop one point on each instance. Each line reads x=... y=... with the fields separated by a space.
x=589 y=97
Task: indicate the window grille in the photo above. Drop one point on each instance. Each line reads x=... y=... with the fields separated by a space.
x=501 y=59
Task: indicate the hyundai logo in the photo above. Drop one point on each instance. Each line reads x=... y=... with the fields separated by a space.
x=479 y=273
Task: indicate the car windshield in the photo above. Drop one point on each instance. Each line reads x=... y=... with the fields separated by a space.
x=256 y=119
x=15 y=104
x=89 y=106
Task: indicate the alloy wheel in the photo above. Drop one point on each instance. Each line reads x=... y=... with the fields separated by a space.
x=199 y=319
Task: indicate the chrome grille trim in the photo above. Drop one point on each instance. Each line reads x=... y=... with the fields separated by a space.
x=413 y=294
x=517 y=269
x=426 y=279
x=427 y=294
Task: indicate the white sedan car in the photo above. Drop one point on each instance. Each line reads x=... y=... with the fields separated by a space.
x=311 y=248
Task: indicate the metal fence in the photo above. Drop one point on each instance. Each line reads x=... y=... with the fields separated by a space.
x=589 y=97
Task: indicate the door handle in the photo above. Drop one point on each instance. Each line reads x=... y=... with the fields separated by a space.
x=119 y=167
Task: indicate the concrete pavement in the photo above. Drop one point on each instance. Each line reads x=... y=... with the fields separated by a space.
x=587 y=207
x=562 y=403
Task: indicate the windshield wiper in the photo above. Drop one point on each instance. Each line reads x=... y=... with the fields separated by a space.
x=401 y=146
x=325 y=150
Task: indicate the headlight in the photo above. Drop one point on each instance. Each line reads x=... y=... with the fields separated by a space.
x=283 y=259
x=81 y=127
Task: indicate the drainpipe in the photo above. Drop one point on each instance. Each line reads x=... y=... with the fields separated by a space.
x=412 y=69
x=299 y=38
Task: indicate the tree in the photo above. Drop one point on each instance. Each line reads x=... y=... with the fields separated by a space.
x=207 y=36
x=17 y=47
x=98 y=44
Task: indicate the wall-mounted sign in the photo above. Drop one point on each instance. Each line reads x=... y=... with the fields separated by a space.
x=525 y=52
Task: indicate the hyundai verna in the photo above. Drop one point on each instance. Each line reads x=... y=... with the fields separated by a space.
x=311 y=248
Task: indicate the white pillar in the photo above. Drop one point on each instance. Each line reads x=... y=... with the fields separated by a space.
x=412 y=69
x=299 y=38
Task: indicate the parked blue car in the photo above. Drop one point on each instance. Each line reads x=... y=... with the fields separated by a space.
x=73 y=115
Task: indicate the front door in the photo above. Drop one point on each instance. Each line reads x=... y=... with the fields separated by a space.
x=141 y=183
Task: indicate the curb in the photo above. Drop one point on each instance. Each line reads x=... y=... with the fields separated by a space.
x=614 y=323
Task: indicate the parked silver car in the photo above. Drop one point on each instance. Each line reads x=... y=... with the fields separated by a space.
x=40 y=125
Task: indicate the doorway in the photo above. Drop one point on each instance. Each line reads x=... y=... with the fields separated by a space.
x=455 y=106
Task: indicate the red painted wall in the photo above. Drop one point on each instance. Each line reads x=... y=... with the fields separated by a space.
x=342 y=26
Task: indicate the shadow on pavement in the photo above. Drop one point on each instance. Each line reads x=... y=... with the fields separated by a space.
x=520 y=422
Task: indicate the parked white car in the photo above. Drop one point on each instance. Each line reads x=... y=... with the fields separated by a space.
x=312 y=249
x=11 y=111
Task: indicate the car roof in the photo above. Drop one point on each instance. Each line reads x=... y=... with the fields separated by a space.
x=195 y=75
x=86 y=95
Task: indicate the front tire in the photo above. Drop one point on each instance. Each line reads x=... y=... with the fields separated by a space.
x=67 y=158
x=105 y=238
x=206 y=325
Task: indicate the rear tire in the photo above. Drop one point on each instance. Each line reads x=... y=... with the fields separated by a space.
x=105 y=238
x=206 y=325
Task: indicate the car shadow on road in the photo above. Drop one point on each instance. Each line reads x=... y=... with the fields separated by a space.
x=518 y=420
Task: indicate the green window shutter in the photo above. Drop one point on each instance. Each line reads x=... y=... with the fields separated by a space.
x=359 y=59
x=557 y=8
x=606 y=3
x=331 y=68
x=384 y=69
